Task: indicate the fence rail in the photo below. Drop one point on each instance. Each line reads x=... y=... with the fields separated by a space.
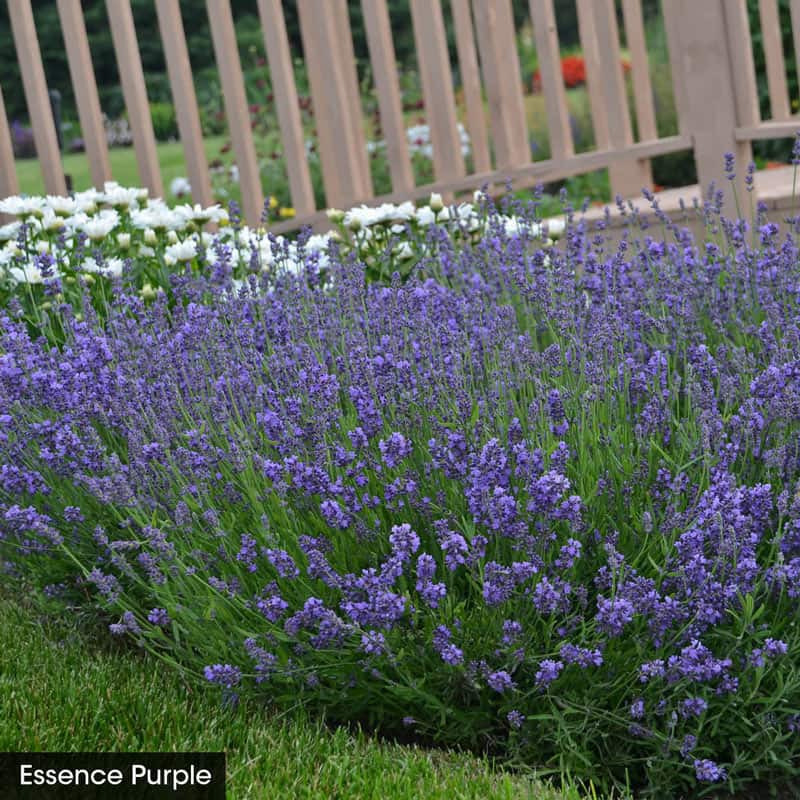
x=711 y=64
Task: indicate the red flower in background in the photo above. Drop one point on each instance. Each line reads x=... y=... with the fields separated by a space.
x=573 y=71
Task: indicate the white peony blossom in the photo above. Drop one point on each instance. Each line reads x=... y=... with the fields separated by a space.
x=182 y=251
x=425 y=216
x=63 y=206
x=9 y=231
x=22 y=206
x=110 y=267
x=99 y=226
x=26 y=274
x=119 y=196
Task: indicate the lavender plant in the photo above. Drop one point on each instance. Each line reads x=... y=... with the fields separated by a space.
x=543 y=502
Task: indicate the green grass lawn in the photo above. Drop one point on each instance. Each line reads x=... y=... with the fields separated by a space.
x=64 y=688
x=123 y=166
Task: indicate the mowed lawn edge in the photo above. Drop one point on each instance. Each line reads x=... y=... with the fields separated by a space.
x=64 y=688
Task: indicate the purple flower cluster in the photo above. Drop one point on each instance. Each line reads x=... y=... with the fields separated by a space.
x=508 y=489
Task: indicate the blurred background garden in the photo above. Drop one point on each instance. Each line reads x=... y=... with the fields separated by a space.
x=677 y=169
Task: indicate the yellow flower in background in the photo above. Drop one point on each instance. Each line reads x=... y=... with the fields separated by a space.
x=287 y=213
x=273 y=201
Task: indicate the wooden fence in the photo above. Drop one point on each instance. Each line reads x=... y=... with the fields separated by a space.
x=711 y=65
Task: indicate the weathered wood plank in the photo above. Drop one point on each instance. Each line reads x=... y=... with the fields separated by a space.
x=555 y=96
x=226 y=52
x=384 y=68
x=36 y=97
x=179 y=70
x=8 y=174
x=437 y=86
x=471 y=84
x=131 y=75
x=494 y=24
x=85 y=87
x=284 y=90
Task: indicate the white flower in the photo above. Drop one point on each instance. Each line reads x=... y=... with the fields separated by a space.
x=468 y=217
x=196 y=213
x=182 y=251
x=436 y=204
x=517 y=227
x=110 y=267
x=555 y=227
x=119 y=196
x=366 y=216
x=9 y=253
x=63 y=206
x=27 y=274
x=425 y=216
x=156 y=215
x=123 y=240
x=9 y=231
x=51 y=221
x=88 y=200
x=318 y=243
x=179 y=187
x=22 y=206
x=419 y=140
x=98 y=227
x=404 y=251
x=405 y=211
x=76 y=221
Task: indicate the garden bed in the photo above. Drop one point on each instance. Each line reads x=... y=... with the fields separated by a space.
x=437 y=475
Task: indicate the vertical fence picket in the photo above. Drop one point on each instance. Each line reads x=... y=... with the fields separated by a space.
x=353 y=89
x=284 y=90
x=237 y=112
x=677 y=72
x=384 y=67
x=38 y=101
x=742 y=68
x=179 y=70
x=131 y=75
x=794 y=8
x=555 y=96
x=342 y=174
x=773 y=54
x=437 y=86
x=640 y=66
x=85 y=87
x=594 y=81
x=497 y=45
x=627 y=178
x=708 y=55
x=471 y=85
x=8 y=173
